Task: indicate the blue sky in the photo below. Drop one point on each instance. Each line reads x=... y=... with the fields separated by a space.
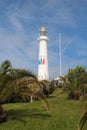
x=20 y=21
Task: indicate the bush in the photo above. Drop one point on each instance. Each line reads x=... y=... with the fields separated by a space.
x=74 y=95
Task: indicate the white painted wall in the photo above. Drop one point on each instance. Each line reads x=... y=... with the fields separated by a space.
x=43 y=73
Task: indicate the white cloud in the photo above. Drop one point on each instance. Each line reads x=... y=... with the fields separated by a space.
x=16 y=24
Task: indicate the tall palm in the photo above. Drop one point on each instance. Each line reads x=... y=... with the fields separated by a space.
x=21 y=82
x=4 y=68
x=6 y=79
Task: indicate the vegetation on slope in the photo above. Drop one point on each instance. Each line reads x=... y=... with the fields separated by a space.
x=64 y=115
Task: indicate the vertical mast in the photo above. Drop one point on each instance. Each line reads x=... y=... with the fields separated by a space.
x=60 y=55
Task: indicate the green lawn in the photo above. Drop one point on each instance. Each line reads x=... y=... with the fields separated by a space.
x=33 y=116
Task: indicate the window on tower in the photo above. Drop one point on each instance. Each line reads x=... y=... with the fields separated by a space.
x=43 y=33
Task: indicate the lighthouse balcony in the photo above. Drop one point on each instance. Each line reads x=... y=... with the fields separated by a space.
x=43 y=38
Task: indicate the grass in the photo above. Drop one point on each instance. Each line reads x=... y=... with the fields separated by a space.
x=33 y=116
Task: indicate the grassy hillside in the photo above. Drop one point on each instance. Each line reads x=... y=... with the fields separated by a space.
x=33 y=116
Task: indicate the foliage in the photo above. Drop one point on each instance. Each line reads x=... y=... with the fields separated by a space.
x=6 y=88
x=32 y=116
x=19 y=75
x=75 y=83
x=5 y=67
x=4 y=70
x=82 y=120
x=20 y=84
x=48 y=87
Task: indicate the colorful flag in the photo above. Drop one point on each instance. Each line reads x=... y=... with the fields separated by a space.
x=41 y=61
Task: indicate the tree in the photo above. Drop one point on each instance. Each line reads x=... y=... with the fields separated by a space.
x=32 y=87
x=4 y=69
x=17 y=75
x=75 y=82
x=20 y=83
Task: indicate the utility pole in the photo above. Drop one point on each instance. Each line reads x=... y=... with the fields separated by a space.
x=60 y=55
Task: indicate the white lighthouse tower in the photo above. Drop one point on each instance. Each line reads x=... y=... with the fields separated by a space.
x=43 y=57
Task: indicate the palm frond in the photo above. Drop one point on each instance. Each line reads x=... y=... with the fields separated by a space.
x=44 y=100
x=32 y=87
x=5 y=67
x=20 y=73
x=82 y=120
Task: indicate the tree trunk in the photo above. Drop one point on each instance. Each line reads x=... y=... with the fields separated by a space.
x=31 y=98
x=2 y=114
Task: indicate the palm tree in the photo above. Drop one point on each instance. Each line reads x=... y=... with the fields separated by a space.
x=4 y=68
x=31 y=87
x=82 y=120
x=20 y=82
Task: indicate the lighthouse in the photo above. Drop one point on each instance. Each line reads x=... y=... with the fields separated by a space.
x=43 y=56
